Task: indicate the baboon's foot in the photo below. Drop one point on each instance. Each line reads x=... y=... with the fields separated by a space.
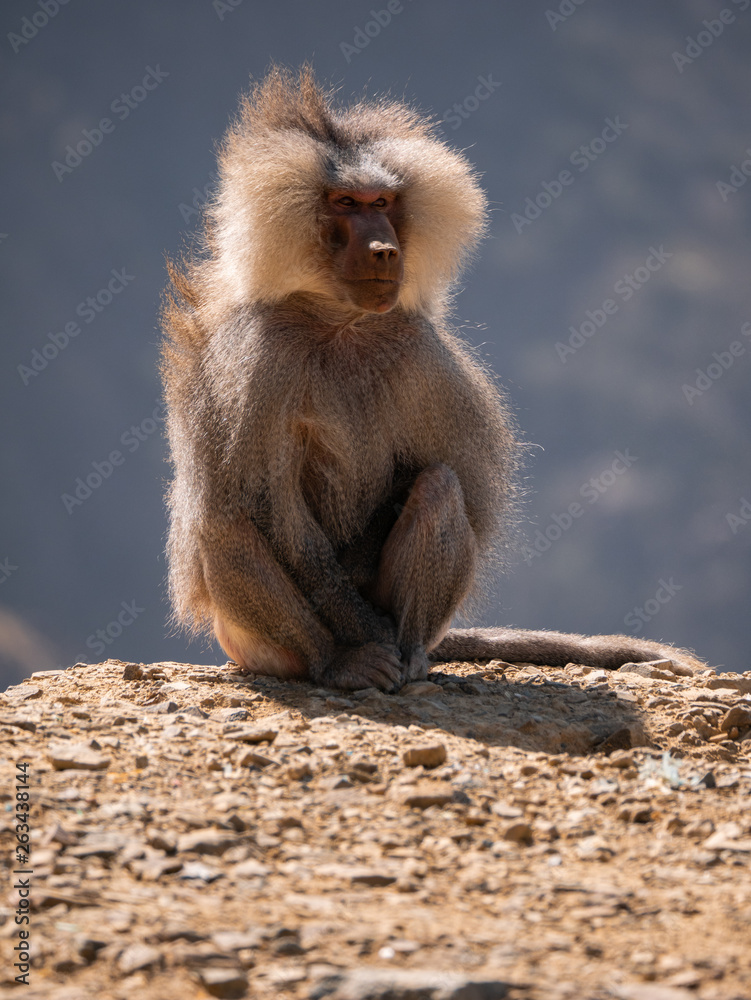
x=415 y=664
x=372 y=665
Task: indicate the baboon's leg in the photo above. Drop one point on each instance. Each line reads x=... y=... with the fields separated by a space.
x=427 y=565
x=261 y=620
x=264 y=623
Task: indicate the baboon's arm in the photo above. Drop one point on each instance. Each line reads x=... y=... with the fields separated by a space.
x=309 y=557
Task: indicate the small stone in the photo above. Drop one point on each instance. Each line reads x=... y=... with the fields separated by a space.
x=596 y=677
x=15 y=723
x=332 y=782
x=133 y=672
x=618 y=740
x=297 y=772
x=727 y=837
x=418 y=688
x=141 y=761
x=740 y=682
x=334 y=701
x=506 y=810
x=152 y=870
x=251 y=734
x=162 y=708
x=102 y=845
x=357 y=875
x=594 y=848
x=365 y=765
x=288 y=946
x=161 y=841
x=371 y=876
x=284 y=977
x=627 y=696
x=428 y=755
x=476 y=817
x=251 y=869
x=738 y=717
x=87 y=947
x=363 y=771
x=654 y=669
x=426 y=795
x=290 y=822
x=236 y=940
x=71 y=756
x=651 y=991
x=230 y=715
x=207 y=841
x=23 y=692
x=621 y=760
x=228 y=984
x=635 y=813
x=41 y=675
x=194 y=712
x=59 y=835
x=518 y=833
x=252 y=759
x=138 y=956
x=198 y=870
x=174 y=686
x=408 y=984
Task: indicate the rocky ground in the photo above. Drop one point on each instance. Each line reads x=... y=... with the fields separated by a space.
x=497 y=831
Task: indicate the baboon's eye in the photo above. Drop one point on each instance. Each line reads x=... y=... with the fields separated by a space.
x=379 y=203
x=346 y=201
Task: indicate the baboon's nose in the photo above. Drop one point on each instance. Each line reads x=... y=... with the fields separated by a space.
x=383 y=251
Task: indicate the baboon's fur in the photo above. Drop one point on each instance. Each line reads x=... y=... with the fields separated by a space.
x=341 y=478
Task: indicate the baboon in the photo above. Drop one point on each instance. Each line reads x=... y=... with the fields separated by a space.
x=344 y=467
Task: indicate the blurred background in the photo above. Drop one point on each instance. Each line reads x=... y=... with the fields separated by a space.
x=613 y=297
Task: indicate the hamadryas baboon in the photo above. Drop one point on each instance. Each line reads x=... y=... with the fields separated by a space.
x=344 y=467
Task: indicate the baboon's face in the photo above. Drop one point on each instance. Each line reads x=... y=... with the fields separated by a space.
x=361 y=232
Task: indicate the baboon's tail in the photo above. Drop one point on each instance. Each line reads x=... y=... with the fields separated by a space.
x=556 y=649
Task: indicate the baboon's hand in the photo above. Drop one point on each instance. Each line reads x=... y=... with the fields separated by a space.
x=372 y=665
